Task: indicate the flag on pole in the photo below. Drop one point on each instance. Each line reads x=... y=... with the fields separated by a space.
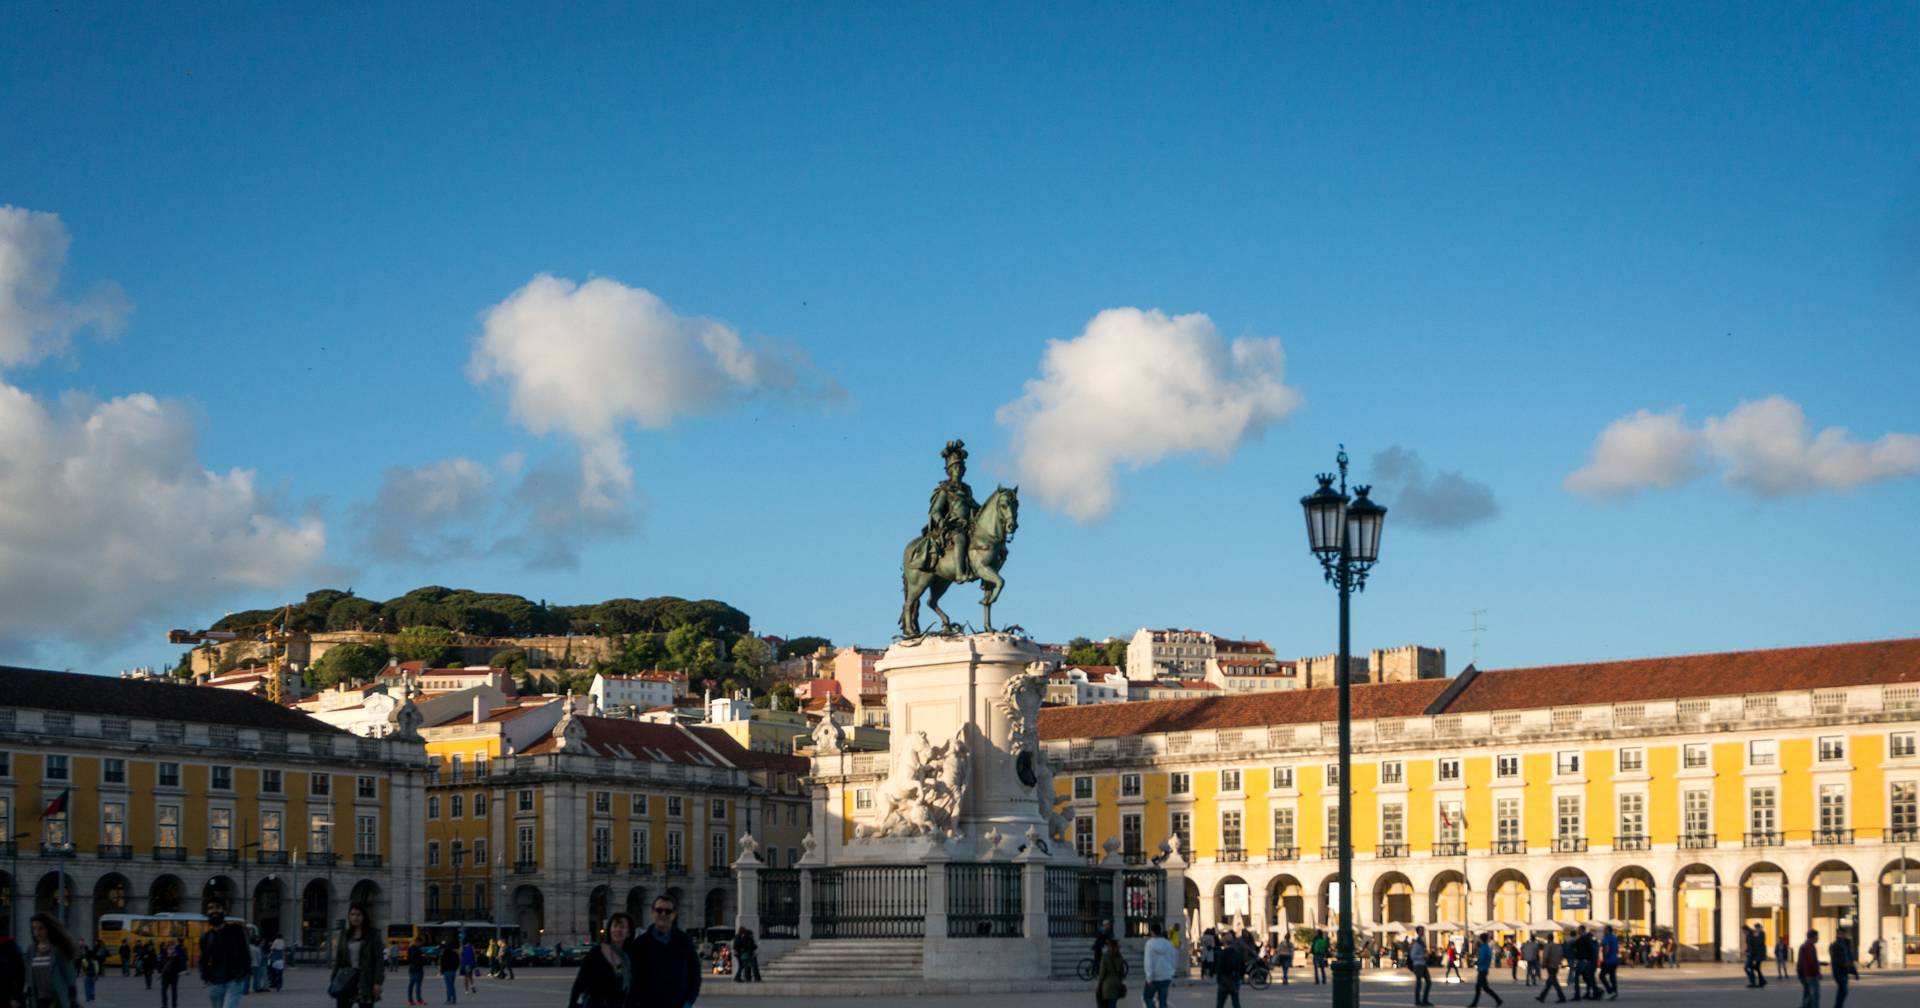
x=57 y=806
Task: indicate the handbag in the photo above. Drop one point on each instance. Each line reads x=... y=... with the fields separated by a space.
x=345 y=981
x=1123 y=992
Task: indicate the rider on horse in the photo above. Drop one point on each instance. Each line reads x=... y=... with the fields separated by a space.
x=950 y=514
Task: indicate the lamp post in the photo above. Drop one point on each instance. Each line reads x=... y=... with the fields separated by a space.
x=1344 y=533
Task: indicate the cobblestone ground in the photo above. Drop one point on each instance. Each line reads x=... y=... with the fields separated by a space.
x=548 y=987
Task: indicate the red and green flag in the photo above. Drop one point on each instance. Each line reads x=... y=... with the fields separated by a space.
x=57 y=806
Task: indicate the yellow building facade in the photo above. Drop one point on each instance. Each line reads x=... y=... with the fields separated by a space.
x=130 y=796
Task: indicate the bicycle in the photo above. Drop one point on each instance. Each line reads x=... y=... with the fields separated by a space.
x=1088 y=966
x=1259 y=975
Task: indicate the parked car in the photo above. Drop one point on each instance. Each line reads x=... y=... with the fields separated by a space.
x=534 y=955
x=571 y=955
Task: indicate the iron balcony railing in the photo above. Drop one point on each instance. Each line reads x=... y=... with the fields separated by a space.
x=1831 y=837
x=1569 y=845
x=115 y=851
x=676 y=868
x=1769 y=838
x=368 y=860
x=525 y=867
x=1390 y=850
x=56 y=850
x=1903 y=836
x=1699 y=841
x=1283 y=853
x=1230 y=854
x=169 y=853
x=271 y=857
x=605 y=867
x=222 y=855
x=718 y=871
x=1509 y=846
x=1133 y=857
x=322 y=859
x=1634 y=842
x=640 y=868
x=1450 y=848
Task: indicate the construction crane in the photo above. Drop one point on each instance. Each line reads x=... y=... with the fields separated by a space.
x=272 y=633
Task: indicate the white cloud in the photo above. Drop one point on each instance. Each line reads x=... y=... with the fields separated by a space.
x=1426 y=499
x=1643 y=450
x=108 y=522
x=1134 y=388
x=583 y=359
x=34 y=321
x=1764 y=446
x=1767 y=451
x=428 y=513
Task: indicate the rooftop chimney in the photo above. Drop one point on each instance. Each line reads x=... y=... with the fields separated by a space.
x=477 y=709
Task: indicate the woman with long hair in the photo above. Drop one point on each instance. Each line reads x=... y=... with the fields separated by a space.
x=53 y=965
x=1110 y=976
x=606 y=974
x=359 y=968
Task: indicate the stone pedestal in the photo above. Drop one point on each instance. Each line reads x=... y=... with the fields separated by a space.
x=957 y=687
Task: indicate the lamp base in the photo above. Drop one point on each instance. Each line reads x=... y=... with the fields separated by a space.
x=1346 y=983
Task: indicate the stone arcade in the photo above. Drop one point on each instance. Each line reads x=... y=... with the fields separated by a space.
x=943 y=858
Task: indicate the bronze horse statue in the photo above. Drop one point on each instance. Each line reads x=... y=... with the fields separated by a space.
x=993 y=526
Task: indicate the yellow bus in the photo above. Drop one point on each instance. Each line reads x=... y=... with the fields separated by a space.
x=159 y=929
x=399 y=936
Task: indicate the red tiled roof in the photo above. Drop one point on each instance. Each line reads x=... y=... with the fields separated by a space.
x=1827 y=666
x=1236 y=710
x=493 y=714
x=751 y=759
x=628 y=739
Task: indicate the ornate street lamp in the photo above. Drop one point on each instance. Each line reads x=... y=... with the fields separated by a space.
x=1344 y=533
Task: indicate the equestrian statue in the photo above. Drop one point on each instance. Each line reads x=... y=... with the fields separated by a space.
x=963 y=540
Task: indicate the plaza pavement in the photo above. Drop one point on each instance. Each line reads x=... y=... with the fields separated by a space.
x=1690 y=986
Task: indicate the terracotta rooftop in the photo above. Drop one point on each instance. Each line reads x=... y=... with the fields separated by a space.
x=140 y=698
x=628 y=739
x=1827 y=666
x=1238 y=710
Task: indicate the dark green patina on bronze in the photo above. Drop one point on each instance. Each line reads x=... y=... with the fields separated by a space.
x=963 y=540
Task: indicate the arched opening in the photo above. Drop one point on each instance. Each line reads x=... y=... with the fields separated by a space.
x=269 y=897
x=1696 y=928
x=1447 y=899
x=1764 y=898
x=316 y=911
x=54 y=895
x=1231 y=902
x=1570 y=896
x=530 y=913
x=1509 y=900
x=367 y=893
x=597 y=910
x=221 y=888
x=1833 y=901
x=1899 y=906
x=1393 y=899
x=716 y=907
x=1329 y=903
x=110 y=894
x=1630 y=901
x=167 y=894
x=637 y=907
x=1190 y=904
x=1286 y=904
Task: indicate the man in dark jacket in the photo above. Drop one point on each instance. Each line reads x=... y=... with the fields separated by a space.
x=226 y=963
x=666 y=966
x=1229 y=966
x=13 y=971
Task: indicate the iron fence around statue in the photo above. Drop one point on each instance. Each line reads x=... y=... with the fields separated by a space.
x=1078 y=899
x=780 y=902
x=983 y=901
x=870 y=902
x=1145 y=893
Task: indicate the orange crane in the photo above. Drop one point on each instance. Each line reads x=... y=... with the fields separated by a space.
x=274 y=634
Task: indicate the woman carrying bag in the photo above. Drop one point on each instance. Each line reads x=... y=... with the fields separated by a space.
x=606 y=974
x=1110 y=979
x=359 y=968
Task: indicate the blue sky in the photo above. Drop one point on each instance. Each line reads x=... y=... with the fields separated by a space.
x=1486 y=236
